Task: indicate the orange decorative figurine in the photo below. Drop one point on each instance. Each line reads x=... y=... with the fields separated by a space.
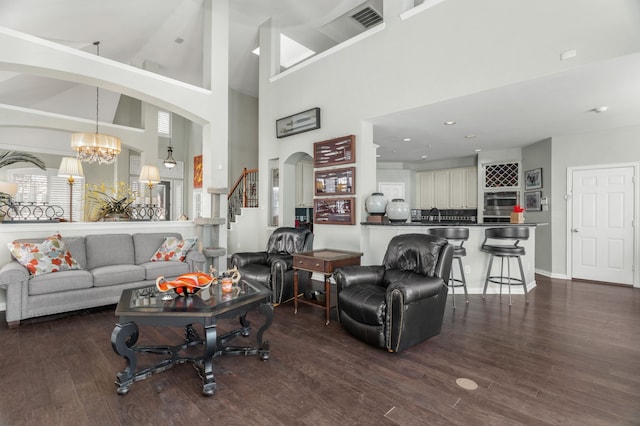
x=186 y=284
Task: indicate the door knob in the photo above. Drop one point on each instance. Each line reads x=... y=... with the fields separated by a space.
x=575 y=230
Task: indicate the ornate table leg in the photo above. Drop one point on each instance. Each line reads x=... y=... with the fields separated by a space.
x=210 y=345
x=263 y=348
x=123 y=337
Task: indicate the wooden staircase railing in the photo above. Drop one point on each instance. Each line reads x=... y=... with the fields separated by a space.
x=244 y=193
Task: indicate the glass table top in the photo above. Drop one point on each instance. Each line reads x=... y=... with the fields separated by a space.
x=206 y=302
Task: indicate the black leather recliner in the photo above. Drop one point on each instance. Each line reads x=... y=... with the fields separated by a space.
x=273 y=268
x=400 y=303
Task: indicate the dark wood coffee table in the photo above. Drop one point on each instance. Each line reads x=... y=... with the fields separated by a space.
x=324 y=261
x=145 y=306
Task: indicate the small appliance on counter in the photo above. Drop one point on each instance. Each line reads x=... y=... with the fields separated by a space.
x=499 y=205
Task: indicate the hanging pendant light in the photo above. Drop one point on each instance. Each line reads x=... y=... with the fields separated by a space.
x=92 y=147
x=169 y=162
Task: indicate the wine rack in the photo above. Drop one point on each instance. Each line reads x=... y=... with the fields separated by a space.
x=504 y=175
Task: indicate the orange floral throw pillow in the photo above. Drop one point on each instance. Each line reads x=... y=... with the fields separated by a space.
x=50 y=256
x=174 y=249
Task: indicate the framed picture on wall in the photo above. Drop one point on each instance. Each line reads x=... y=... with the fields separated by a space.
x=197 y=171
x=337 y=211
x=533 y=179
x=335 y=182
x=532 y=200
x=298 y=123
x=334 y=151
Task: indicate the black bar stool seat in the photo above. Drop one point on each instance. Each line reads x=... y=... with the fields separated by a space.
x=456 y=237
x=505 y=251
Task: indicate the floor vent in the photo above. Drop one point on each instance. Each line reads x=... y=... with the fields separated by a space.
x=367 y=17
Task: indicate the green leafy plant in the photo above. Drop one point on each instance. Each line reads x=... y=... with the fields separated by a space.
x=103 y=201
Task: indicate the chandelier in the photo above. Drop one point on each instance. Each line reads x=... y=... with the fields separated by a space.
x=92 y=147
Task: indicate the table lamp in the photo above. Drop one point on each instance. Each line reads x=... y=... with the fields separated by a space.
x=149 y=175
x=71 y=168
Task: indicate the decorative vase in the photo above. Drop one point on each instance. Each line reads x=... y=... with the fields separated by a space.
x=115 y=217
x=376 y=204
x=398 y=210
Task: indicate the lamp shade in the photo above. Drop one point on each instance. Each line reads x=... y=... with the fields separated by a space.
x=94 y=147
x=70 y=167
x=149 y=175
x=9 y=188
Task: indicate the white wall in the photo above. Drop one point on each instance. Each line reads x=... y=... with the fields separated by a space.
x=616 y=146
x=453 y=49
x=243 y=134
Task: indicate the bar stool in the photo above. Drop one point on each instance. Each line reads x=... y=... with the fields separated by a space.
x=456 y=237
x=508 y=251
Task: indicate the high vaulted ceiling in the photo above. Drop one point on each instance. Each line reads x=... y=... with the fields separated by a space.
x=166 y=37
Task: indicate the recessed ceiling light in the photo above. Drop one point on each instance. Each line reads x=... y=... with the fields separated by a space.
x=477 y=150
x=598 y=110
x=424 y=157
x=406 y=139
x=378 y=155
x=449 y=123
x=470 y=136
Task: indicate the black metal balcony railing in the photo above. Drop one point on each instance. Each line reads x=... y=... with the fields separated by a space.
x=30 y=211
x=147 y=212
x=244 y=193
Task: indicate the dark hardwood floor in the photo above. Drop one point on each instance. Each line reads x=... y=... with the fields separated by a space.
x=571 y=357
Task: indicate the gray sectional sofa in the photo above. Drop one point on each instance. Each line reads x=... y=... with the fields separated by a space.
x=110 y=263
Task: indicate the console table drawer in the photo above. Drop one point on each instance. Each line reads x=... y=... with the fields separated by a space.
x=314 y=265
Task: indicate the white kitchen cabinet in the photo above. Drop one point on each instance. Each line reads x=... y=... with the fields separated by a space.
x=442 y=189
x=471 y=177
x=425 y=194
x=464 y=188
x=304 y=184
x=448 y=188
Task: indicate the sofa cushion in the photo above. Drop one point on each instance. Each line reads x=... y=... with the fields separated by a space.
x=109 y=249
x=146 y=245
x=174 y=249
x=117 y=274
x=153 y=270
x=60 y=281
x=49 y=256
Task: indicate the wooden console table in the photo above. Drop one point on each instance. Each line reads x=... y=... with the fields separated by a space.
x=324 y=261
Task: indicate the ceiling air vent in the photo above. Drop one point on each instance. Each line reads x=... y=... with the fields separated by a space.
x=367 y=17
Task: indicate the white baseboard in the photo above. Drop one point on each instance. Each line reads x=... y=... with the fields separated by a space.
x=551 y=275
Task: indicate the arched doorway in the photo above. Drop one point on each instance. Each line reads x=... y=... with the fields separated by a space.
x=297 y=189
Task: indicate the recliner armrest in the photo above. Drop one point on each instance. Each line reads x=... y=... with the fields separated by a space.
x=417 y=287
x=357 y=274
x=284 y=261
x=246 y=258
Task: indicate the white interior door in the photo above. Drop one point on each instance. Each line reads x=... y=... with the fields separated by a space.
x=602 y=225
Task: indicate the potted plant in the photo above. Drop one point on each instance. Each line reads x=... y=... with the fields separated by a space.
x=109 y=204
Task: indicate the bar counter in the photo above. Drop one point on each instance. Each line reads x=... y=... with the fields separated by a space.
x=376 y=236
